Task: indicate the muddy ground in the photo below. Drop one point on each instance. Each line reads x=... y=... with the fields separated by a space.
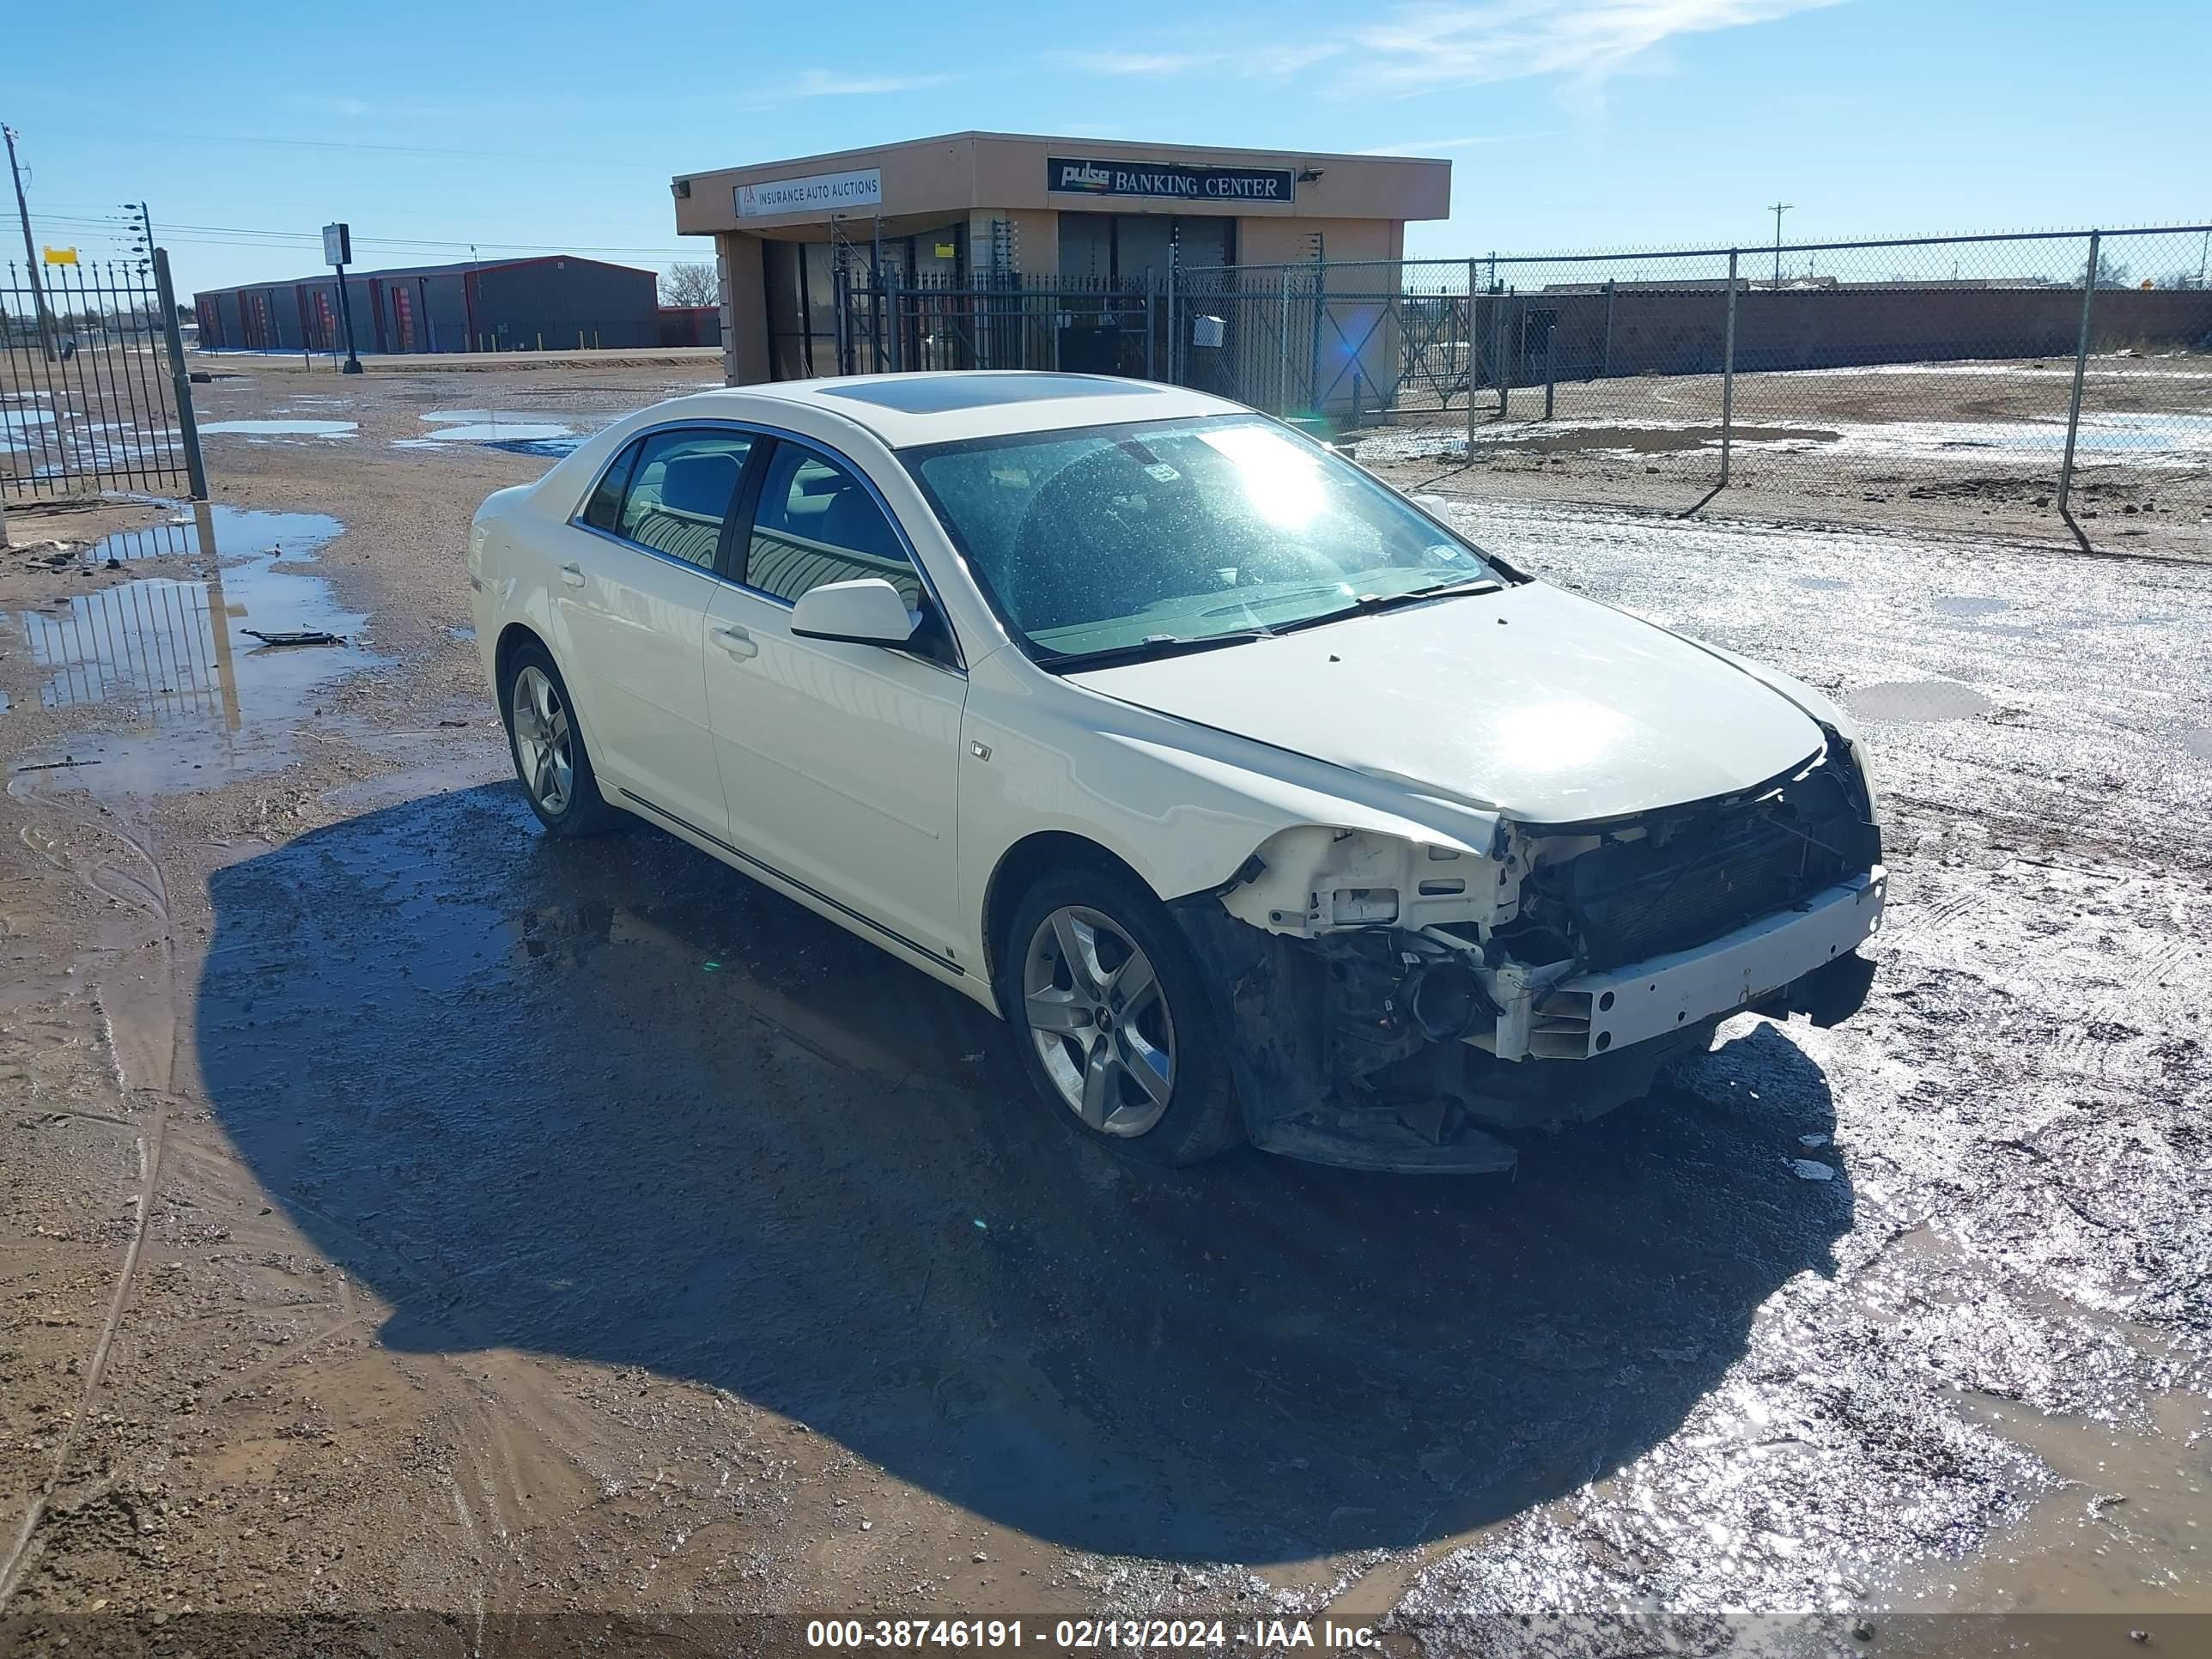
x=1971 y=448
x=398 y=1210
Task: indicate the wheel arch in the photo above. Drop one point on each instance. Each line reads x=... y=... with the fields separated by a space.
x=1019 y=867
x=512 y=638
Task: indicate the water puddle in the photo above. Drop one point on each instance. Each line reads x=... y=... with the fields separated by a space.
x=2142 y=440
x=1918 y=700
x=2165 y=441
x=180 y=658
x=518 y=431
x=13 y=420
x=2126 y=1516
x=73 y=445
x=233 y=531
x=288 y=428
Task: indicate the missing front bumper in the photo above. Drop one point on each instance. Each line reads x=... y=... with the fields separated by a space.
x=1593 y=1014
x=1323 y=1073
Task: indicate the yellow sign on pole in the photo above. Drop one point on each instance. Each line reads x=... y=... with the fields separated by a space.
x=61 y=256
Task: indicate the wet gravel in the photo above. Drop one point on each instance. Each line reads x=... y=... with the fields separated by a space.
x=507 y=1227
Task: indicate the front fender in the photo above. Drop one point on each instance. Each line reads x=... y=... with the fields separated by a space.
x=1183 y=805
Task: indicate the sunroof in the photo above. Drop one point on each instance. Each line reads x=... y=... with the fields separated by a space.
x=937 y=394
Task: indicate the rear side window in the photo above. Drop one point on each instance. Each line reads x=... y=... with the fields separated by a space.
x=680 y=488
x=604 y=510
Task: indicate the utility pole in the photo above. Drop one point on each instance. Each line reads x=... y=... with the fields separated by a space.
x=30 y=252
x=1777 y=210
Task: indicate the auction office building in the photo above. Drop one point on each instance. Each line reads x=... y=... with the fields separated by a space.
x=974 y=211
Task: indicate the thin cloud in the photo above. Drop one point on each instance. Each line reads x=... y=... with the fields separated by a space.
x=1140 y=63
x=352 y=107
x=1434 y=47
x=1430 y=48
x=1428 y=146
x=821 y=83
x=1251 y=61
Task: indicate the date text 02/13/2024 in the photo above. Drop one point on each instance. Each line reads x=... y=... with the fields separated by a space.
x=1083 y=1635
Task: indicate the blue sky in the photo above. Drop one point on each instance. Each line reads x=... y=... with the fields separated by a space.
x=1627 y=123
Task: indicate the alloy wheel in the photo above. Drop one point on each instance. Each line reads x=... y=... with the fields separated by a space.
x=543 y=740
x=1100 y=1021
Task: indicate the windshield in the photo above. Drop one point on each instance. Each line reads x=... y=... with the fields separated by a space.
x=1114 y=539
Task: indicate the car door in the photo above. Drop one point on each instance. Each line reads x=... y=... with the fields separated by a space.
x=634 y=593
x=839 y=762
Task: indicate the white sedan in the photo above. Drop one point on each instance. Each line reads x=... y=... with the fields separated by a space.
x=1262 y=803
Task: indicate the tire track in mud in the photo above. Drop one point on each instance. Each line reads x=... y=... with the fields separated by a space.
x=152 y=901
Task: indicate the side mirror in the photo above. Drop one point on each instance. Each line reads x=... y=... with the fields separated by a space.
x=868 y=611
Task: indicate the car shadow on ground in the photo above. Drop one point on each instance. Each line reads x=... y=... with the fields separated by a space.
x=611 y=1100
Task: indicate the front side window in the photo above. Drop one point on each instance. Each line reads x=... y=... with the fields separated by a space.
x=815 y=522
x=680 y=490
x=1109 y=539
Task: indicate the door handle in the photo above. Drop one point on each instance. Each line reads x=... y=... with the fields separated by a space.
x=573 y=575
x=735 y=641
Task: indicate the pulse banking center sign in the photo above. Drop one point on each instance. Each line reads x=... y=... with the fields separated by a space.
x=1168 y=179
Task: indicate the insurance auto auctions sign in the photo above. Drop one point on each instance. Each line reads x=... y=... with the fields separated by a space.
x=1167 y=178
x=819 y=193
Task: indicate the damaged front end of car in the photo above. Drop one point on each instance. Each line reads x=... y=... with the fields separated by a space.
x=1390 y=1002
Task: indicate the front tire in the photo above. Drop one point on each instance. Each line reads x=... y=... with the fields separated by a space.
x=547 y=746
x=1112 y=1018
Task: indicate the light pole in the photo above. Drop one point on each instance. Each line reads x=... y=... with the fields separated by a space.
x=1779 y=208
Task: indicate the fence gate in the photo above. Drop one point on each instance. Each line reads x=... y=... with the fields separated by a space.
x=1348 y=339
x=94 y=391
x=1009 y=320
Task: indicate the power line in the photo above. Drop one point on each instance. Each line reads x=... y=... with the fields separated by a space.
x=599 y=162
x=260 y=236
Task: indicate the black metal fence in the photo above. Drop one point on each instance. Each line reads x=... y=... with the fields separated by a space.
x=94 y=391
x=1002 y=320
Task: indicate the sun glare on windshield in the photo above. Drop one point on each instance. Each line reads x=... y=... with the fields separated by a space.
x=1281 y=481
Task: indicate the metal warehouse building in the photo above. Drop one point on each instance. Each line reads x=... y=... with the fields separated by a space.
x=553 y=302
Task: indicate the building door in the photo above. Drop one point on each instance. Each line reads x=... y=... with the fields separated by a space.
x=1143 y=242
x=1207 y=241
x=1086 y=245
x=402 y=317
x=790 y=335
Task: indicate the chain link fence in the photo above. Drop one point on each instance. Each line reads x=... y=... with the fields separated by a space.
x=2048 y=380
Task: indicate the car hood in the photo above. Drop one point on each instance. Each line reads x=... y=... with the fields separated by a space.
x=1549 y=708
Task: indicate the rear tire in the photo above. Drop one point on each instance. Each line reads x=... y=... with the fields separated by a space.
x=1113 y=1020
x=547 y=746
